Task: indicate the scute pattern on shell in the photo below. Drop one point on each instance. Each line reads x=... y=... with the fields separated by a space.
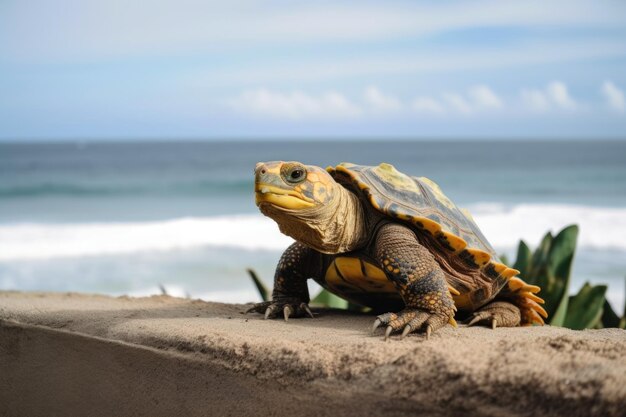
x=420 y=202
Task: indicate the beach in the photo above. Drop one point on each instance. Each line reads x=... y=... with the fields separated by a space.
x=67 y=353
x=129 y=218
x=395 y=167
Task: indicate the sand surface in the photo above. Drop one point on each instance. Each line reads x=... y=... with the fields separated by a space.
x=73 y=354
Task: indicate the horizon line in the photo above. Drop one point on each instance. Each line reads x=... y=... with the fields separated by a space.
x=303 y=139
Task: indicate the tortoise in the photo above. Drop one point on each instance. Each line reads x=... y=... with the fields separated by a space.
x=390 y=242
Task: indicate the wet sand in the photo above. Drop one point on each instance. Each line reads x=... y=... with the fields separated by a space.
x=76 y=354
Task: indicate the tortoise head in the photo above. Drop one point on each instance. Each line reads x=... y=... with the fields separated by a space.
x=292 y=185
x=309 y=205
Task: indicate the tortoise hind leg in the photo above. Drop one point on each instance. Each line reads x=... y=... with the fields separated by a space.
x=516 y=305
x=497 y=313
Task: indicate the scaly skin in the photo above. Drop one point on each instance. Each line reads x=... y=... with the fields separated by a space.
x=291 y=294
x=419 y=280
x=497 y=313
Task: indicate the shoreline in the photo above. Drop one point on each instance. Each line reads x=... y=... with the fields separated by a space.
x=67 y=351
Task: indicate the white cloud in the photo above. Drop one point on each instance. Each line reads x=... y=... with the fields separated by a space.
x=295 y=105
x=555 y=95
x=557 y=91
x=479 y=98
x=380 y=102
x=614 y=96
x=458 y=102
x=484 y=97
x=476 y=100
x=535 y=100
x=427 y=105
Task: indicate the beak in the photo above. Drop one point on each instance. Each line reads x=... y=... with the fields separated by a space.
x=270 y=188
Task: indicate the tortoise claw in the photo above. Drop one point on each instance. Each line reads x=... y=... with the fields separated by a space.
x=377 y=323
x=269 y=311
x=258 y=307
x=307 y=310
x=287 y=312
x=475 y=319
x=492 y=322
x=498 y=313
x=410 y=320
x=290 y=308
x=407 y=329
x=388 y=332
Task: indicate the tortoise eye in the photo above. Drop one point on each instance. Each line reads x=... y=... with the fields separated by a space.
x=296 y=174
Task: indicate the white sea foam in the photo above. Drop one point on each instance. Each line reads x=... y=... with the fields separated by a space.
x=45 y=241
x=601 y=228
x=242 y=295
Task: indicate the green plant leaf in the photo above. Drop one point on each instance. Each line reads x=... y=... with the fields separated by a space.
x=562 y=251
x=585 y=308
x=540 y=257
x=260 y=286
x=357 y=307
x=559 y=315
x=523 y=260
x=559 y=269
x=537 y=273
x=609 y=317
x=328 y=299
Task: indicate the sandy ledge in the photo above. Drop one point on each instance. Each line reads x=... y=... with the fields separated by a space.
x=74 y=354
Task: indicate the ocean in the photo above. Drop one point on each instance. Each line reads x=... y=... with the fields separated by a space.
x=130 y=218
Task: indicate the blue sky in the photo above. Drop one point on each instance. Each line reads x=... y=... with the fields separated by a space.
x=282 y=69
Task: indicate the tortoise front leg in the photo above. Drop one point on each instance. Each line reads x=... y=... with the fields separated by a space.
x=291 y=294
x=418 y=278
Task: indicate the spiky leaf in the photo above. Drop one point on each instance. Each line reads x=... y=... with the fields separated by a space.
x=328 y=299
x=585 y=308
x=562 y=251
x=540 y=257
x=609 y=317
x=260 y=286
x=358 y=308
x=537 y=267
x=558 y=316
x=559 y=271
x=523 y=260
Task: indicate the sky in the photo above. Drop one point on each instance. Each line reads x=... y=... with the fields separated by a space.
x=131 y=70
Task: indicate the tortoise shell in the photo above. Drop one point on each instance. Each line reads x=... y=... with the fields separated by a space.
x=420 y=202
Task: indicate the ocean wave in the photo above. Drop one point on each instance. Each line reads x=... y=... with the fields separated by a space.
x=602 y=228
x=239 y=295
x=243 y=295
x=46 y=241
